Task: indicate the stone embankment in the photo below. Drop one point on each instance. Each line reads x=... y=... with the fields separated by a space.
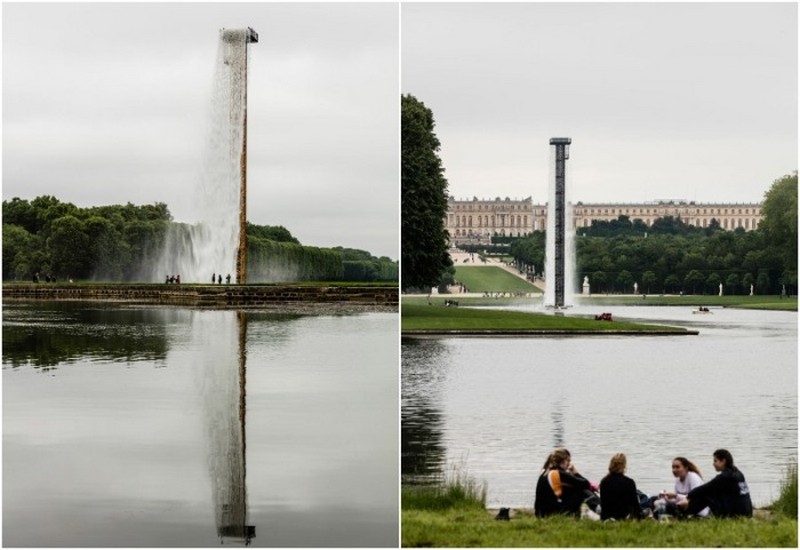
x=372 y=298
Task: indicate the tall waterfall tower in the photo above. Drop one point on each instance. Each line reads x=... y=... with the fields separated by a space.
x=559 y=201
x=236 y=41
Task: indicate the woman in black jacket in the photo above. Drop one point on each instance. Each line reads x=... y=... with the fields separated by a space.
x=560 y=489
x=618 y=496
x=727 y=494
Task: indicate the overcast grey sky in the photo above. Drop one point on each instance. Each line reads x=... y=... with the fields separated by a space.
x=662 y=100
x=109 y=103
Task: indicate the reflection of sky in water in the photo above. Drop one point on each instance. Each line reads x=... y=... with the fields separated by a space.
x=505 y=403
x=114 y=451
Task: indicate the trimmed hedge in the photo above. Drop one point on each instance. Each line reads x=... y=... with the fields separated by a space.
x=287 y=262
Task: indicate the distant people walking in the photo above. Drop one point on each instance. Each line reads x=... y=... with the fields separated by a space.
x=178 y=279
x=213 y=278
x=559 y=491
x=228 y=279
x=618 y=496
x=220 y=278
x=727 y=495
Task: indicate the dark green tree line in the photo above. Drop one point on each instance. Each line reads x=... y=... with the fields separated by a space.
x=111 y=243
x=671 y=256
x=53 y=238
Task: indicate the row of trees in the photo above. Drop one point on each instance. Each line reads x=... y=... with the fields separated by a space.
x=672 y=256
x=115 y=243
x=50 y=237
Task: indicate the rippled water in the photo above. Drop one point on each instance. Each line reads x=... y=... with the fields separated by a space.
x=494 y=408
x=128 y=426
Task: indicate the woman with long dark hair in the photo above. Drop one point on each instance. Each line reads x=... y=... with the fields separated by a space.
x=727 y=495
x=687 y=477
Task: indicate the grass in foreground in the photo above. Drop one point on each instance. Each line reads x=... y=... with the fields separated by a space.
x=786 y=504
x=437 y=318
x=457 y=527
x=458 y=491
x=432 y=517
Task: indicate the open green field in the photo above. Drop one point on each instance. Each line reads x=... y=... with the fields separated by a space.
x=459 y=527
x=438 y=318
x=492 y=279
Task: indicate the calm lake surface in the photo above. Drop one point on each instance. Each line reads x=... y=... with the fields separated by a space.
x=145 y=426
x=495 y=408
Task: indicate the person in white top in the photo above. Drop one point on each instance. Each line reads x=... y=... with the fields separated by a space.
x=687 y=477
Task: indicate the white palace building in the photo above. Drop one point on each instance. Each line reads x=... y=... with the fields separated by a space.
x=477 y=220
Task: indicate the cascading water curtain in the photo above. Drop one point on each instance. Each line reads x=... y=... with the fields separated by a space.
x=209 y=244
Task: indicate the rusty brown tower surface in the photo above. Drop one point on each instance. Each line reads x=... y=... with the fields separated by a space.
x=562 y=154
x=247 y=36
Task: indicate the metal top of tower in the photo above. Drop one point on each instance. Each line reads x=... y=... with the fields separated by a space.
x=560 y=141
x=249 y=35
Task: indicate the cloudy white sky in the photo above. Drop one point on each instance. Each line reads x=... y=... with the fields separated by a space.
x=109 y=104
x=662 y=100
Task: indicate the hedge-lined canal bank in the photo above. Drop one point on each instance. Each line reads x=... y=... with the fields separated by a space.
x=241 y=296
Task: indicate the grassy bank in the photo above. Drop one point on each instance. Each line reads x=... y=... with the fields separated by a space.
x=689 y=301
x=431 y=519
x=492 y=279
x=436 y=318
x=742 y=302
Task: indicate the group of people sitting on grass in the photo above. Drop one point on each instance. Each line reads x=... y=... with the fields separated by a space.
x=562 y=490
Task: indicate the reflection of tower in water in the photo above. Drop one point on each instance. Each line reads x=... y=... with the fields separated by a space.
x=557 y=415
x=225 y=398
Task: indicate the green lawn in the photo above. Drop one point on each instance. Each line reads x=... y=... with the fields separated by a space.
x=491 y=278
x=452 y=514
x=439 y=318
x=743 y=302
x=603 y=301
x=459 y=527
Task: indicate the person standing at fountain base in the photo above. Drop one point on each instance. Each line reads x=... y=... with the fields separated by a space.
x=559 y=491
x=727 y=495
